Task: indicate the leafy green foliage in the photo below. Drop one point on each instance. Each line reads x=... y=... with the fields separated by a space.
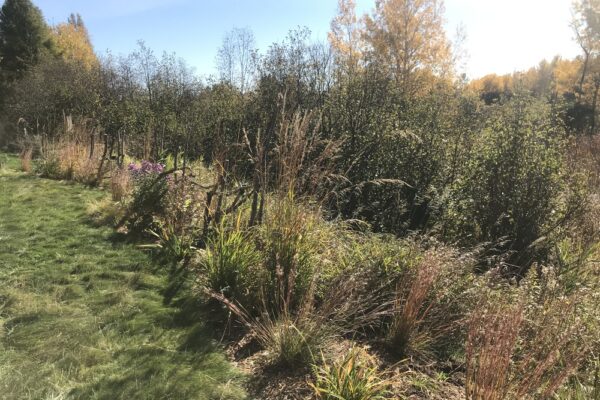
x=510 y=192
x=49 y=167
x=147 y=203
x=394 y=147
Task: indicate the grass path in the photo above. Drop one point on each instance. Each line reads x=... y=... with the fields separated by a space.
x=82 y=315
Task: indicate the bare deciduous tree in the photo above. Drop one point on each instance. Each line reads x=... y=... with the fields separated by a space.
x=236 y=58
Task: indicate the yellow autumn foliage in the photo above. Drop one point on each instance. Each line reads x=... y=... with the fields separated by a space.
x=73 y=43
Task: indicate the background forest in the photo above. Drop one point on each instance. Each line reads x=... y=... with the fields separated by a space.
x=440 y=234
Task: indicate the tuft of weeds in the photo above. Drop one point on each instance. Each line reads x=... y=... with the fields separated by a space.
x=291 y=342
x=105 y=211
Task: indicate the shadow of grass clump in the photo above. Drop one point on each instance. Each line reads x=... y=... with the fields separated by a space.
x=158 y=373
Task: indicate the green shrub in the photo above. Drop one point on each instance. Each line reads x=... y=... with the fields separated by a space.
x=510 y=192
x=176 y=222
x=49 y=168
x=147 y=203
x=386 y=256
x=354 y=377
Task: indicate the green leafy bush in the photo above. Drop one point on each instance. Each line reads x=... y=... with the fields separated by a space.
x=147 y=203
x=49 y=168
x=509 y=195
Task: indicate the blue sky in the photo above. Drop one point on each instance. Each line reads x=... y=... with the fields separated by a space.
x=502 y=35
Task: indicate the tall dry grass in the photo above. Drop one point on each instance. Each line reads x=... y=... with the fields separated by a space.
x=493 y=334
x=75 y=162
x=527 y=342
x=411 y=308
x=430 y=303
x=70 y=160
x=120 y=184
x=584 y=157
x=303 y=160
x=25 y=158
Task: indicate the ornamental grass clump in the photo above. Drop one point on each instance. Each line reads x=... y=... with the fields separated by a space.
x=526 y=342
x=353 y=377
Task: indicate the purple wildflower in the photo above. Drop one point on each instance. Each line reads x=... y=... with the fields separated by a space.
x=146 y=168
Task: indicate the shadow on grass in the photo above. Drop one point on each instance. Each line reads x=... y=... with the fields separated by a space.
x=86 y=319
x=178 y=280
x=116 y=237
x=20 y=177
x=158 y=373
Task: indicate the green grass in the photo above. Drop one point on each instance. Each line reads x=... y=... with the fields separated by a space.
x=9 y=162
x=82 y=314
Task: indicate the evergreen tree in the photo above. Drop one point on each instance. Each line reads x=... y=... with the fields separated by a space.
x=24 y=36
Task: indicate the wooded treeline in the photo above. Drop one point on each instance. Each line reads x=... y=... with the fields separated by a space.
x=419 y=148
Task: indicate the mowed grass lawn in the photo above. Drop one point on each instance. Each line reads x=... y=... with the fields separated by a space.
x=82 y=314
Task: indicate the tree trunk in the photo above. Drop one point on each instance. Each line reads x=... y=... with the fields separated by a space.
x=99 y=174
x=92 y=140
x=594 y=100
x=583 y=73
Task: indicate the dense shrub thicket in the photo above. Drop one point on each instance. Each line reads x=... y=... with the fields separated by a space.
x=438 y=162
